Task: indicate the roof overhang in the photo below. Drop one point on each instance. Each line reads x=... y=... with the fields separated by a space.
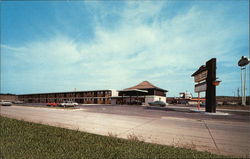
x=120 y=97
x=201 y=69
x=134 y=90
x=158 y=89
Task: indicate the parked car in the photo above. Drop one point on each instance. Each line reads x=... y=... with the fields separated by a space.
x=53 y=104
x=17 y=102
x=68 y=104
x=5 y=103
x=157 y=103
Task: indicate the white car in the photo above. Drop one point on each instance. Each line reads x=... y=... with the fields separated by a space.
x=5 y=103
x=17 y=102
x=68 y=104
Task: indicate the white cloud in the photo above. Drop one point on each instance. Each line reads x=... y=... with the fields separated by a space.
x=142 y=46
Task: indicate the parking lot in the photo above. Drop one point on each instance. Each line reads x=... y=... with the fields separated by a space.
x=179 y=111
x=222 y=134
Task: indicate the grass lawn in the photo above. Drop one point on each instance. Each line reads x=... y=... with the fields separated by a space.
x=20 y=139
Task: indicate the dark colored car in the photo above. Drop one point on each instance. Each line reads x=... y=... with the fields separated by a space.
x=157 y=103
x=203 y=104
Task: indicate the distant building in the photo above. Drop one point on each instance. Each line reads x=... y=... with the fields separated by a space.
x=185 y=95
x=82 y=97
x=8 y=97
x=143 y=93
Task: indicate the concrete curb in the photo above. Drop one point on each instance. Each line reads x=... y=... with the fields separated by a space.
x=167 y=108
x=183 y=109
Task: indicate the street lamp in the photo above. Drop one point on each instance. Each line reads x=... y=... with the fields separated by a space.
x=242 y=63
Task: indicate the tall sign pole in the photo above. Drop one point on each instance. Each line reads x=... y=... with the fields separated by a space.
x=211 y=88
x=243 y=62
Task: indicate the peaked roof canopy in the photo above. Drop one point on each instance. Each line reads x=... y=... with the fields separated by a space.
x=145 y=85
x=201 y=69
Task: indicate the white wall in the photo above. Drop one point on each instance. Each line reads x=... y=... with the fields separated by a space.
x=154 y=98
x=114 y=92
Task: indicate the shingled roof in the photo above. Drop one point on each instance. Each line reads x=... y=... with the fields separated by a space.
x=145 y=85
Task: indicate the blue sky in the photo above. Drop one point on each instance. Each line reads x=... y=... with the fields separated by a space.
x=58 y=46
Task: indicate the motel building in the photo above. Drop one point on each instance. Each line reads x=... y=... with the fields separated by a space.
x=140 y=94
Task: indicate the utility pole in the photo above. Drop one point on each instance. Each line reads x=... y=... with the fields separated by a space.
x=238 y=92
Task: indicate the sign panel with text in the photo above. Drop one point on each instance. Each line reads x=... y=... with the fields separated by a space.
x=200 y=87
x=201 y=76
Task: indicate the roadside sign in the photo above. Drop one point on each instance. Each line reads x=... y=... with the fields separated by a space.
x=200 y=87
x=201 y=76
x=205 y=77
